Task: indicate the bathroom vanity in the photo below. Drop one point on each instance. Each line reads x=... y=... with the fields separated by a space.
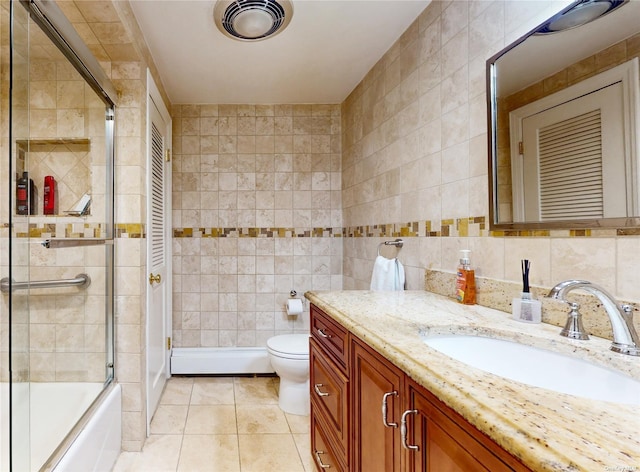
x=383 y=400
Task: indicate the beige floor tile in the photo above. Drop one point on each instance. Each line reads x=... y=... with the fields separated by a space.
x=261 y=419
x=169 y=419
x=206 y=453
x=303 y=444
x=211 y=419
x=159 y=454
x=298 y=423
x=197 y=423
x=126 y=462
x=257 y=390
x=212 y=391
x=177 y=391
x=269 y=452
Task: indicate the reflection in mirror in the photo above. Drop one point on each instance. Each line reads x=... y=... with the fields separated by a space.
x=565 y=119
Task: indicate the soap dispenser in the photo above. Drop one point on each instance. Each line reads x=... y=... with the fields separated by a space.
x=465 y=280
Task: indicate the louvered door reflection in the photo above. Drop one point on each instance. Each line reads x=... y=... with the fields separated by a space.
x=573 y=159
x=570 y=161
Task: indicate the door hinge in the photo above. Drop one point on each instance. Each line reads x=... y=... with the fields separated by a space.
x=520 y=148
x=167 y=155
x=168 y=344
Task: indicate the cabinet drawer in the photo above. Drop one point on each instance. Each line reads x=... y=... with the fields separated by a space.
x=330 y=335
x=329 y=392
x=322 y=453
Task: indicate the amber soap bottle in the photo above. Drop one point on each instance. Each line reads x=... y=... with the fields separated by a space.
x=465 y=280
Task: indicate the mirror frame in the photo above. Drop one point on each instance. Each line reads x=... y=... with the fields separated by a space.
x=494 y=225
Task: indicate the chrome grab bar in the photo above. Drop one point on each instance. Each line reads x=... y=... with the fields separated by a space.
x=74 y=242
x=80 y=281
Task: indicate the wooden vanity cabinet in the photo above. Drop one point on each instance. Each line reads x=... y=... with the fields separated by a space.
x=352 y=430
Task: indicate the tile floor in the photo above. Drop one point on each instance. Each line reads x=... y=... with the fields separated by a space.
x=222 y=424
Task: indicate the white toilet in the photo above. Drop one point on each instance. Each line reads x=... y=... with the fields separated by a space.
x=289 y=356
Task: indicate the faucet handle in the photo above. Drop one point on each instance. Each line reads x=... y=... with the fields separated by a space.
x=573 y=328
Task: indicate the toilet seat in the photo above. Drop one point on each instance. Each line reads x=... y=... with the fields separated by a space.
x=289 y=346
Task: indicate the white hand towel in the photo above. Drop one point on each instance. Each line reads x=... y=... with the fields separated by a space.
x=388 y=274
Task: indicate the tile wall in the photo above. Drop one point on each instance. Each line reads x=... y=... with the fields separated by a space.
x=256 y=213
x=415 y=156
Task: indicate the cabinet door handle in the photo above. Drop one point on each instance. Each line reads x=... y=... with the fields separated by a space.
x=403 y=430
x=322 y=333
x=384 y=410
x=319 y=460
x=316 y=387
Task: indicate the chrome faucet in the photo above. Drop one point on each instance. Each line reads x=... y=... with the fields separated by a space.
x=625 y=337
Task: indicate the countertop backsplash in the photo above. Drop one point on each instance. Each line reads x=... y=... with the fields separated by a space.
x=497 y=294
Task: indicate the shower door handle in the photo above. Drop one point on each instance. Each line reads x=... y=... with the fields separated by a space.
x=154 y=278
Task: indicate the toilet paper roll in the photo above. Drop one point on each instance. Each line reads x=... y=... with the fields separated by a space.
x=294 y=306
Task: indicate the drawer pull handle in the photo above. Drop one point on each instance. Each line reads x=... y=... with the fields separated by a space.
x=319 y=460
x=322 y=333
x=403 y=430
x=316 y=387
x=384 y=409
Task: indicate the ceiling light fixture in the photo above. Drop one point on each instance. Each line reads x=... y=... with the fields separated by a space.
x=579 y=14
x=252 y=20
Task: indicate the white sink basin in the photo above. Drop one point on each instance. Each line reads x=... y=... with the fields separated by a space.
x=538 y=367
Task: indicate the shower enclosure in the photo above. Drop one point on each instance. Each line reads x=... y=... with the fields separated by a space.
x=56 y=247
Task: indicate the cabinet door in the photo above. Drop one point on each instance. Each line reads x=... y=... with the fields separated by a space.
x=376 y=446
x=447 y=443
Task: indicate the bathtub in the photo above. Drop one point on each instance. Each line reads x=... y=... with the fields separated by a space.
x=53 y=410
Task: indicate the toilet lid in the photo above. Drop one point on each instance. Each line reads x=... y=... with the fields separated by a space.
x=292 y=346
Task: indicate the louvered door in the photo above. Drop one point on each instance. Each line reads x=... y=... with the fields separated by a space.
x=157 y=261
x=573 y=159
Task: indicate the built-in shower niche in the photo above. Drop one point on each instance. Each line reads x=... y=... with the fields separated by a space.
x=69 y=162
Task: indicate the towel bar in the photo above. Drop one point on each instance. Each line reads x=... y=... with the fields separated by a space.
x=397 y=243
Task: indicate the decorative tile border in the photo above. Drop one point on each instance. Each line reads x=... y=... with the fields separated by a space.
x=474 y=226
x=258 y=232
x=59 y=230
x=130 y=230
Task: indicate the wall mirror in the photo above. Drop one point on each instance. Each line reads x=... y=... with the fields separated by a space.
x=564 y=124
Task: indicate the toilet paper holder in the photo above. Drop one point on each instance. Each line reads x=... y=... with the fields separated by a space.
x=294 y=306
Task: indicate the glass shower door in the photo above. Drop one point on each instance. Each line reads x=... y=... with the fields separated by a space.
x=59 y=287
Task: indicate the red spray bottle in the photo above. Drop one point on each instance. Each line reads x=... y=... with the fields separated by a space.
x=49 y=207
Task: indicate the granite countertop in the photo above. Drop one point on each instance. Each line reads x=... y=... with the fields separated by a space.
x=546 y=430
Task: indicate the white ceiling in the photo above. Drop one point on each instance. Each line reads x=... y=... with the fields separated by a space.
x=326 y=50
